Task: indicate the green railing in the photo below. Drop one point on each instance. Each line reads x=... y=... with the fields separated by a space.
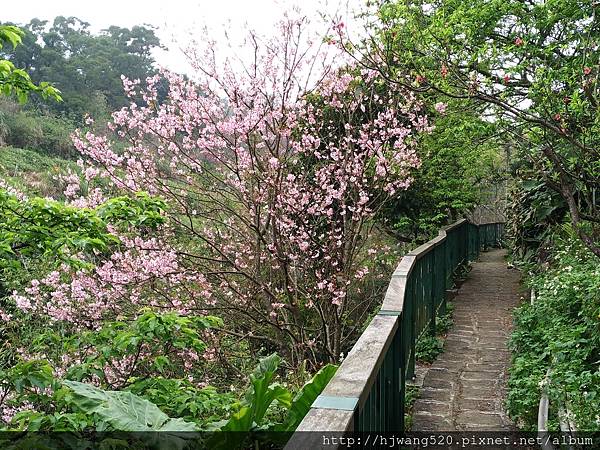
x=367 y=392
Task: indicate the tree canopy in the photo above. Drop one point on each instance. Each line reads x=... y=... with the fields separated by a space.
x=86 y=67
x=533 y=63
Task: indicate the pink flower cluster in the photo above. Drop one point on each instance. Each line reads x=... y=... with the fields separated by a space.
x=7 y=412
x=138 y=275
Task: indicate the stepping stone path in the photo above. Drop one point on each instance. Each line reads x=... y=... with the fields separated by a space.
x=464 y=389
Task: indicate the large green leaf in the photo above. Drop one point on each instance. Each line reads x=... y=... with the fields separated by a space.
x=125 y=411
x=306 y=396
x=240 y=421
x=236 y=428
x=274 y=392
x=260 y=395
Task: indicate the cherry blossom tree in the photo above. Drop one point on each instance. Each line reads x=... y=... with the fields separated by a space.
x=272 y=173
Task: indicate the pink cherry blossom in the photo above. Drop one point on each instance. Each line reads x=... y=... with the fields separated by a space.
x=441 y=107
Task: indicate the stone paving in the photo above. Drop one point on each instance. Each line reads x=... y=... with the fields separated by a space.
x=465 y=388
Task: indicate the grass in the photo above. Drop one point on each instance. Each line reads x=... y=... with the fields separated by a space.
x=32 y=172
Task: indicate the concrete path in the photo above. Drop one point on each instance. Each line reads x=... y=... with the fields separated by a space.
x=465 y=387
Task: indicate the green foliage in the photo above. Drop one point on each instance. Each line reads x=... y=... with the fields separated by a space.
x=153 y=344
x=33 y=173
x=30 y=374
x=37 y=227
x=258 y=410
x=39 y=131
x=533 y=211
x=262 y=393
x=20 y=130
x=141 y=211
x=306 y=396
x=12 y=34
x=75 y=406
x=17 y=81
x=30 y=383
x=560 y=332
x=428 y=348
x=39 y=235
x=444 y=323
x=533 y=66
x=153 y=338
x=410 y=397
x=153 y=393
x=180 y=398
x=461 y=159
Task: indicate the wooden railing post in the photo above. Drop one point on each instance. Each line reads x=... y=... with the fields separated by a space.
x=432 y=270
x=410 y=315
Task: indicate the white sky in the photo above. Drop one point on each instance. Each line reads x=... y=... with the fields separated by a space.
x=178 y=21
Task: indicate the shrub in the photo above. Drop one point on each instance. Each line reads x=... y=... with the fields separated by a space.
x=559 y=332
x=35 y=130
x=56 y=136
x=428 y=348
x=22 y=130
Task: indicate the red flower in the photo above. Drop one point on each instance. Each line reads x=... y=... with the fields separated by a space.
x=557 y=117
x=420 y=79
x=587 y=70
x=506 y=79
x=518 y=41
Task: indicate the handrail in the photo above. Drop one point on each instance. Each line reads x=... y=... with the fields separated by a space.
x=367 y=392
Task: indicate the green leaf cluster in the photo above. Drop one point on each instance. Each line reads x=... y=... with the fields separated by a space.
x=38 y=229
x=17 y=81
x=75 y=406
